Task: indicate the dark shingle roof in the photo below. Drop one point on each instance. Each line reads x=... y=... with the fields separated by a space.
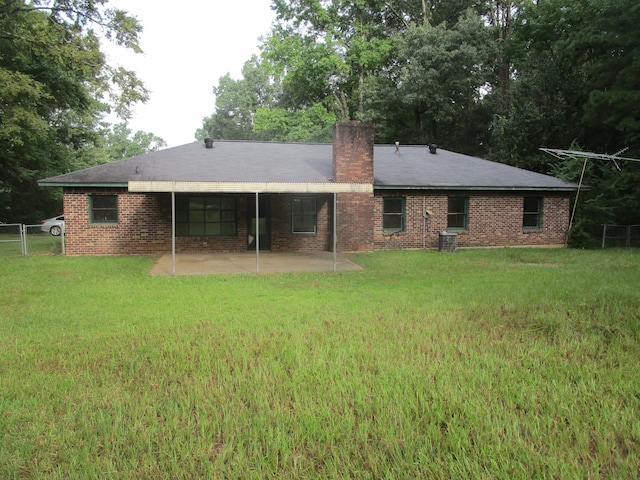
x=228 y=161
x=238 y=161
x=414 y=166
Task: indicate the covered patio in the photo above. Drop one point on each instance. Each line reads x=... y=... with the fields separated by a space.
x=265 y=262
x=328 y=260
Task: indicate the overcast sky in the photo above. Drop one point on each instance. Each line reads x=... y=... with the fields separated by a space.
x=187 y=47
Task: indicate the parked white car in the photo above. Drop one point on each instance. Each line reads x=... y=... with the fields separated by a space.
x=54 y=225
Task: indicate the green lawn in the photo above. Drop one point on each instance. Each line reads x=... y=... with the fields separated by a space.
x=505 y=363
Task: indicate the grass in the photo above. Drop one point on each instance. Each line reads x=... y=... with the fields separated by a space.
x=506 y=364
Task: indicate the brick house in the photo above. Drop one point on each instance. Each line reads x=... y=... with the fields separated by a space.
x=233 y=196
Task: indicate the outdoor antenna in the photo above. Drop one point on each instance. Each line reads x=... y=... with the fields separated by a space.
x=565 y=154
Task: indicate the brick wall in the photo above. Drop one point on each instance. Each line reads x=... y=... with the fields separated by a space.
x=282 y=237
x=144 y=224
x=495 y=219
x=353 y=163
x=143 y=227
x=355 y=221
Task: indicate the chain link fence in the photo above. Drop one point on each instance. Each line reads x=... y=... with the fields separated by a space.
x=620 y=236
x=18 y=239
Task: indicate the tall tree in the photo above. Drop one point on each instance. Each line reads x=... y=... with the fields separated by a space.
x=576 y=68
x=121 y=142
x=332 y=54
x=311 y=124
x=238 y=100
x=56 y=88
x=434 y=83
x=500 y=15
x=343 y=42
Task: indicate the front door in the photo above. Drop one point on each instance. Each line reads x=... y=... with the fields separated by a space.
x=263 y=221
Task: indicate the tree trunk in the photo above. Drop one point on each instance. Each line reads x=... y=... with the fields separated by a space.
x=500 y=16
x=360 y=91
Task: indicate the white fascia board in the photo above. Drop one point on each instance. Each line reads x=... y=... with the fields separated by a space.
x=249 y=187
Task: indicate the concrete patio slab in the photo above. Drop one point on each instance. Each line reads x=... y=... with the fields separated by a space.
x=269 y=262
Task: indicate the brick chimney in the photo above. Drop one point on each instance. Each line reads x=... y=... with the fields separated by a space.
x=353 y=163
x=353 y=152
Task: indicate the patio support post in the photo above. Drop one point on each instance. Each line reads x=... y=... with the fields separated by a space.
x=62 y=244
x=173 y=233
x=335 y=229
x=257 y=234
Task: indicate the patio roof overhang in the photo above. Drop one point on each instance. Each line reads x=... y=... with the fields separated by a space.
x=248 y=187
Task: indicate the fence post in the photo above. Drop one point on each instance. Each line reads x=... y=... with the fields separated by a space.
x=604 y=234
x=23 y=239
x=628 y=236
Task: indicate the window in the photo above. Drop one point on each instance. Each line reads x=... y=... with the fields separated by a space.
x=532 y=213
x=103 y=208
x=458 y=213
x=393 y=214
x=205 y=216
x=303 y=215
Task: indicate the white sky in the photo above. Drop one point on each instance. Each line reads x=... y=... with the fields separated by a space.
x=187 y=47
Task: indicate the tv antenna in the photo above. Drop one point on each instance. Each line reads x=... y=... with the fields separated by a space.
x=575 y=154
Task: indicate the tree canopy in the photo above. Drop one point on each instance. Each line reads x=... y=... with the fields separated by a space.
x=56 y=89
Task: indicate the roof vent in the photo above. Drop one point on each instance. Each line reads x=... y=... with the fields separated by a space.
x=208 y=142
x=432 y=148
